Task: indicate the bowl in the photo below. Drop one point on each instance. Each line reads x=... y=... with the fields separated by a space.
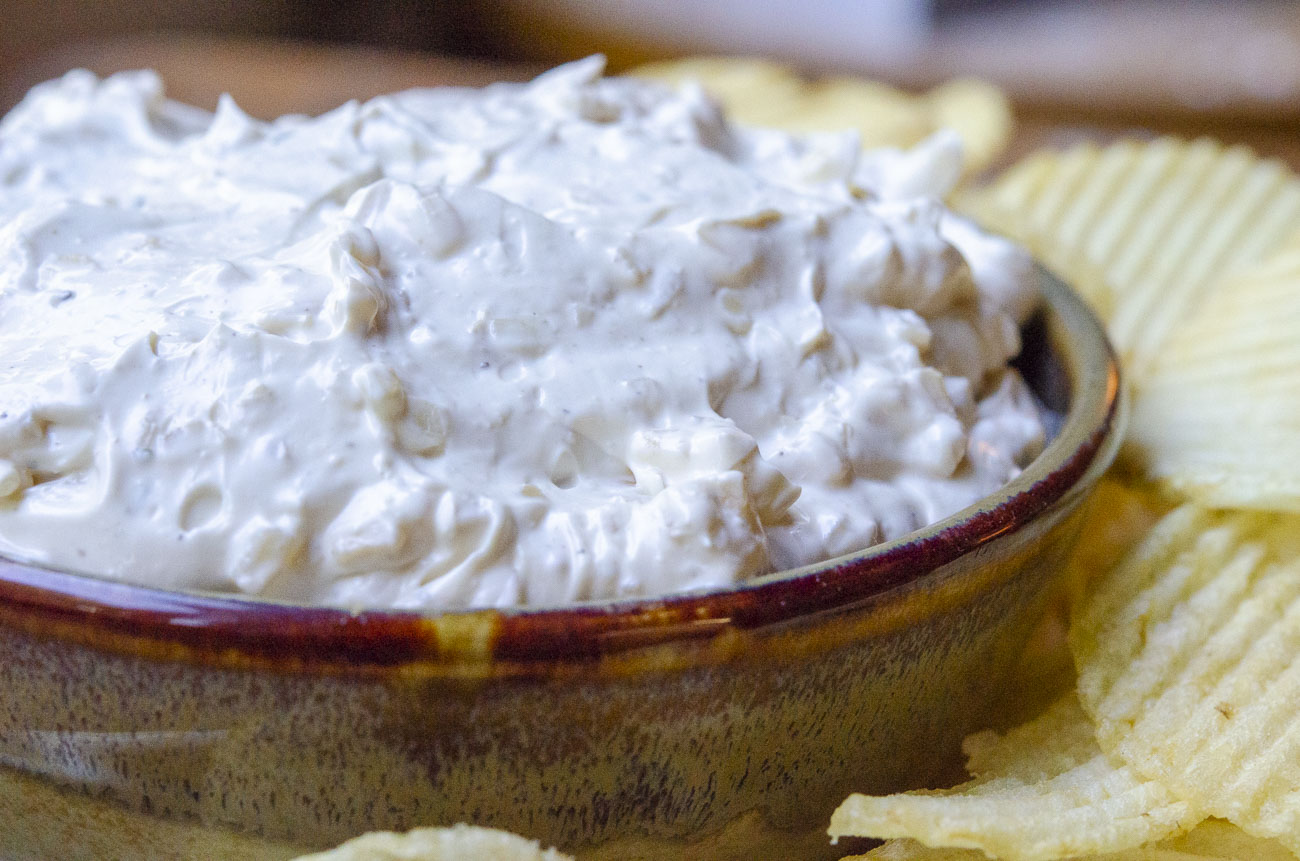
x=731 y=719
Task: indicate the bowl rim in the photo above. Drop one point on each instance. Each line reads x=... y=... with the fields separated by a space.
x=242 y=630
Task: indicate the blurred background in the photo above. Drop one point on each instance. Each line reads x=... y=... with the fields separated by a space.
x=1225 y=67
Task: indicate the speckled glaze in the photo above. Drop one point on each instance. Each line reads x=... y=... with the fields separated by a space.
x=622 y=730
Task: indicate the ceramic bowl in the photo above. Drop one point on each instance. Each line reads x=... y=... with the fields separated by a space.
x=612 y=730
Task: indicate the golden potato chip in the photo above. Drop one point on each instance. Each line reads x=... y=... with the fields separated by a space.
x=1042 y=791
x=884 y=117
x=1212 y=840
x=457 y=843
x=1058 y=740
x=762 y=93
x=980 y=114
x=1144 y=230
x=1218 y=416
x=1189 y=663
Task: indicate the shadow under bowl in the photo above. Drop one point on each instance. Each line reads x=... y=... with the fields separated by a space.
x=615 y=729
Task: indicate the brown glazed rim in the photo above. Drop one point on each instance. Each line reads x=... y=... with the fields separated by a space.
x=229 y=631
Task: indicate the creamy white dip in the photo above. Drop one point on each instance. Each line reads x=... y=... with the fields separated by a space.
x=533 y=344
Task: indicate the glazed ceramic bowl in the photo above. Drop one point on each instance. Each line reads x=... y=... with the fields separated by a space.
x=615 y=730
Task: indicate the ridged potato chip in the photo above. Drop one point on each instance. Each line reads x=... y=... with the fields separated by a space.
x=1189 y=663
x=1218 y=417
x=1212 y=840
x=762 y=93
x=456 y=843
x=1144 y=230
x=1042 y=791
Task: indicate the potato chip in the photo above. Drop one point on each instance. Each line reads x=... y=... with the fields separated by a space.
x=1042 y=791
x=1058 y=740
x=1144 y=231
x=980 y=114
x=1212 y=840
x=884 y=117
x=457 y=843
x=1218 y=416
x=762 y=93
x=1189 y=663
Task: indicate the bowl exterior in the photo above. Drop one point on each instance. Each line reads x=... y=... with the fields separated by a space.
x=874 y=698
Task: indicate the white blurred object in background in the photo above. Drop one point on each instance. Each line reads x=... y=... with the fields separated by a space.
x=837 y=32
x=1238 y=58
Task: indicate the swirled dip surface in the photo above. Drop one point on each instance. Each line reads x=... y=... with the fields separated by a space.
x=533 y=344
